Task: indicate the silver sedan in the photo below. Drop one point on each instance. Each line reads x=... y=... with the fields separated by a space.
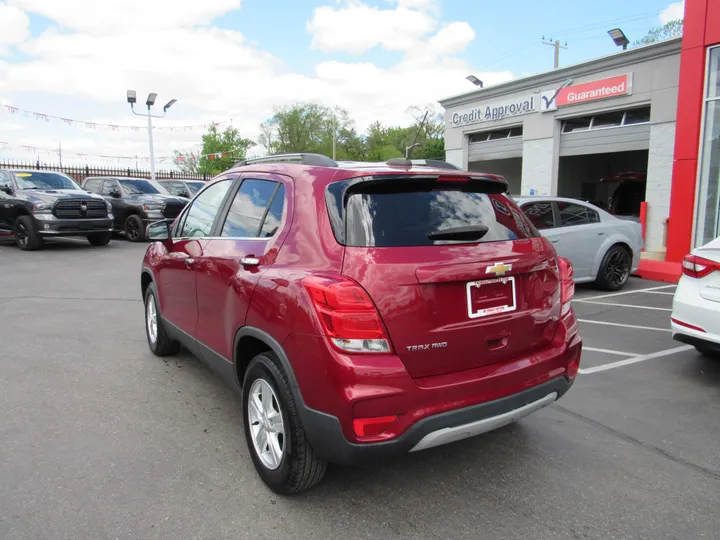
x=603 y=249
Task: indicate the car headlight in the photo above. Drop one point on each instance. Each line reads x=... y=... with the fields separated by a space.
x=108 y=206
x=42 y=208
x=153 y=207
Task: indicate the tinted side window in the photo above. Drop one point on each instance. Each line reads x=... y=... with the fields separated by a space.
x=199 y=218
x=5 y=180
x=576 y=214
x=274 y=215
x=248 y=209
x=540 y=214
x=93 y=185
x=109 y=186
x=175 y=188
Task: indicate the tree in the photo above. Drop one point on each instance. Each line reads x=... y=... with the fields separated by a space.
x=670 y=30
x=187 y=162
x=221 y=150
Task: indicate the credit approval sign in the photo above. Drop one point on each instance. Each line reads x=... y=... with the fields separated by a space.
x=620 y=85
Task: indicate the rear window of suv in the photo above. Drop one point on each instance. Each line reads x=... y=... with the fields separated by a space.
x=395 y=213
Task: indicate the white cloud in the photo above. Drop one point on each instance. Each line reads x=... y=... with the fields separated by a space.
x=216 y=74
x=14 y=27
x=356 y=28
x=99 y=17
x=674 y=11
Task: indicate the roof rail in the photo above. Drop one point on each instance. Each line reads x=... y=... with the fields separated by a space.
x=436 y=163
x=306 y=159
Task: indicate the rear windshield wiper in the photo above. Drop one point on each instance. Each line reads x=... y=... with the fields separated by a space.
x=468 y=234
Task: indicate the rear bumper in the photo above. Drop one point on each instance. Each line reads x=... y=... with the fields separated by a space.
x=692 y=309
x=329 y=442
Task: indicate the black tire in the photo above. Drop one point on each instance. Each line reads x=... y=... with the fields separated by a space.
x=708 y=352
x=162 y=345
x=134 y=229
x=299 y=467
x=100 y=239
x=615 y=269
x=26 y=236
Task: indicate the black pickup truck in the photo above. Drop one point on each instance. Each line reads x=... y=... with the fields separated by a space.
x=35 y=205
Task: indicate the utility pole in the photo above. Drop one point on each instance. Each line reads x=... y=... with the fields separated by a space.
x=557 y=46
x=60 y=152
x=334 y=125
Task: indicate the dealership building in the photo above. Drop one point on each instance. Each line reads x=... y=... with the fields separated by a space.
x=650 y=111
x=571 y=131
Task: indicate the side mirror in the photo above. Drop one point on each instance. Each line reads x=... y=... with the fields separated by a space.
x=6 y=188
x=158 y=231
x=184 y=194
x=115 y=194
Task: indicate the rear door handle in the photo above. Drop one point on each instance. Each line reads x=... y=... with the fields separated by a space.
x=555 y=241
x=601 y=234
x=189 y=261
x=250 y=261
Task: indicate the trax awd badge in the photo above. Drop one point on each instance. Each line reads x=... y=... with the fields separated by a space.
x=499 y=269
x=427 y=346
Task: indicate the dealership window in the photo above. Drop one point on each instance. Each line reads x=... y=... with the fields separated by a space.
x=708 y=214
x=629 y=117
x=497 y=134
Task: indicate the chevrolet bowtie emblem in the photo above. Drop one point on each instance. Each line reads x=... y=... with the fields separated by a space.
x=499 y=269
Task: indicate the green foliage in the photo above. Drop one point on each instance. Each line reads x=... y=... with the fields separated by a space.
x=216 y=141
x=670 y=30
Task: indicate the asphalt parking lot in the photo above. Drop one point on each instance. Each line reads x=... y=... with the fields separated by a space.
x=100 y=439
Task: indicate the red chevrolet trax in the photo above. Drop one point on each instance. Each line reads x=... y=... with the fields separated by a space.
x=364 y=310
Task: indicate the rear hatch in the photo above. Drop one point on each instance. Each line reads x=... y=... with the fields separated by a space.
x=460 y=277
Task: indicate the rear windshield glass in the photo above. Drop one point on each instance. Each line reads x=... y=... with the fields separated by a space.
x=409 y=217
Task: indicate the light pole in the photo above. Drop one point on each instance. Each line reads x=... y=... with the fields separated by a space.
x=132 y=99
x=619 y=37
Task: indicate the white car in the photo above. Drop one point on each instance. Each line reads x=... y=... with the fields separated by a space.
x=695 y=316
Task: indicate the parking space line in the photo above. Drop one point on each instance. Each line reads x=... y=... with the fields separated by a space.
x=625 y=325
x=630 y=292
x=608 y=351
x=621 y=305
x=634 y=360
x=660 y=292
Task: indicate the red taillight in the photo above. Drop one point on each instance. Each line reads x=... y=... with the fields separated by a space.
x=366 y=427
x=567 y=285
x=697 y=267
x=347 y=315
x=453 y=179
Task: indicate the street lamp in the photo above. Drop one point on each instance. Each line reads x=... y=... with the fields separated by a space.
x=619 y=37
x=132 y=99
x=473 y=79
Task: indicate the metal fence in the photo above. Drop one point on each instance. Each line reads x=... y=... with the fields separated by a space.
x=79 y=173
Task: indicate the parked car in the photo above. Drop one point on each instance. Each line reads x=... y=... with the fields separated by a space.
x=36 y=205
x=603 y=249
x=695 y=318
x=629 y=193
x=136 y=202
x=357 y=331
x=186 y=189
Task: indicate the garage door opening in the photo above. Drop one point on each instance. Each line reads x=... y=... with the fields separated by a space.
x=613 y=181
x=510 y=168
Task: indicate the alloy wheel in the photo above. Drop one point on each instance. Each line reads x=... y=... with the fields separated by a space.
x=151 y=319
x=266 y=424
x=132 y=231
x=21 y=234
x=617 y=270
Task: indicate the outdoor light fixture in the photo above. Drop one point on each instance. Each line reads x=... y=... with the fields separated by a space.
x=473 y=79
x=169 y=104
x=619 y=37
x=132 y=99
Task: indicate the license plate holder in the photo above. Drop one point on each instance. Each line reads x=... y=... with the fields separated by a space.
x=491 y=297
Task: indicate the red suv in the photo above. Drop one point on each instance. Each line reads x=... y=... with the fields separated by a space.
x=364 y=310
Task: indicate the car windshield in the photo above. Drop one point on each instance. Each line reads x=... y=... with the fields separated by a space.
x=140 y=187
x=44 y=180
x=195 y=186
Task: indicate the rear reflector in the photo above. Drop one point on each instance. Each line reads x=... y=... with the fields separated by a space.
x=697 y=267
x=367 y=427
x=567 y=285
x=347 y=315
x=688 y=325
x=453 y=179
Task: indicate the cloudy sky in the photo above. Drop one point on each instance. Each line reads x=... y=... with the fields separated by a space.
x=234 y=60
